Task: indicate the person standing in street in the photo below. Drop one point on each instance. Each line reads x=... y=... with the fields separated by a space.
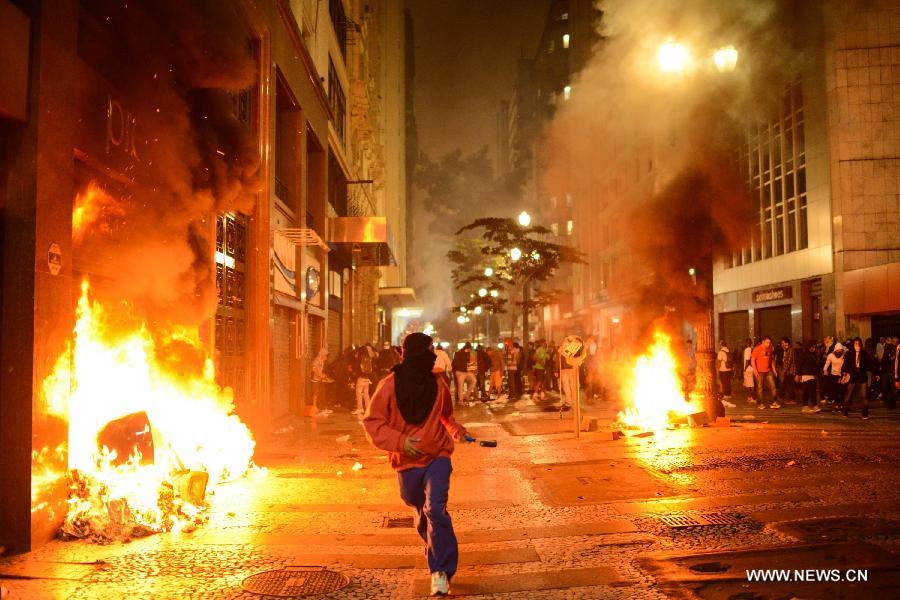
x=747 y=372
x=807 y=369
x=541 y=357
x=856 y=369
x=362 y=372
x=786 y=372
x=386 y=360
x=832 y=371
x=725 y=369
x=513 y=374
x=495 y=382
x=484 y=367
x=763 y=363
x=568 y=380
x=443 y=364
x=411 y=417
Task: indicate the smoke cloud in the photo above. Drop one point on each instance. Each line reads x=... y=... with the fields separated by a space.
x=658 y=151
x=172 y=64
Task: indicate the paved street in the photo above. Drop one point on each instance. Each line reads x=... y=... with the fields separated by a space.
x=541 y=516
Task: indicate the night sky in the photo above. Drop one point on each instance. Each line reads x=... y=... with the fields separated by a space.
x=466 y=52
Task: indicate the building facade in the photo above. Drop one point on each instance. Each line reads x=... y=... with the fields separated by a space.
x=312 y=133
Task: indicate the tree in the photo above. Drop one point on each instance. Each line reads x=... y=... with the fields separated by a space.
x=519 y=255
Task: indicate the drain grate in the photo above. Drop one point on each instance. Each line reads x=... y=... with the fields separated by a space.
x=295 y=582
x=682 y=521
x=397 y=522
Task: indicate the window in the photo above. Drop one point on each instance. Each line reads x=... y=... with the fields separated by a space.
x=554 y=227
x=339 y=22
x=773 y=163
x=566 y=38
x=570 y=227
x=336 y=284
x=336 y=99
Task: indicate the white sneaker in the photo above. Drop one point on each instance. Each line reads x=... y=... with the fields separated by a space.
x=440 y=585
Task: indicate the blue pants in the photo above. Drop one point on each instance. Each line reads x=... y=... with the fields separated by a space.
x=426 y=490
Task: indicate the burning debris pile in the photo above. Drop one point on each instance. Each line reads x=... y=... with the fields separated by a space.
x=148 y=427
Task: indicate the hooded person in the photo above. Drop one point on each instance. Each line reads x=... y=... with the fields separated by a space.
x=411 y=417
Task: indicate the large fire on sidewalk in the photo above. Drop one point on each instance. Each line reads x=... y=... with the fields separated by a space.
x=653 y=389
x=147 y=426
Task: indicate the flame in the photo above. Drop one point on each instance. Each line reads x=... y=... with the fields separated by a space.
x=654 y=389
x=109 y=372
x=91 y=206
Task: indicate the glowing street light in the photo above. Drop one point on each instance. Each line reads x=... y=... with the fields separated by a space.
x=482 y=293
x=460 y=319
x=673 y=57
x=494 y=293
x=524 y=219
x=488 y=272
x=463 y=309
x=725 y=58
x=515 y=254
x=478 y=310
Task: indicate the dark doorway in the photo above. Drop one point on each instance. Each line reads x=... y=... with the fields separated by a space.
x=774 y=322
x=886 y=325
x=734 y=328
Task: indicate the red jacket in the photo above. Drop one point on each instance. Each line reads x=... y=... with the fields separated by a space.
x=387 y=430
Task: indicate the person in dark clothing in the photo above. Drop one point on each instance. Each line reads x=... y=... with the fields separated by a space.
x=484 y=367
x=807 y=363
x=387 y=358
x=857 y=366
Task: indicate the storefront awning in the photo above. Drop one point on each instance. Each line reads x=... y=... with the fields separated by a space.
x=368 y=237
x=305 y=236
x=396 y=297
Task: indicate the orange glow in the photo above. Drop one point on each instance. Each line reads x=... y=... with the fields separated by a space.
x=105 y=375
x=653 y=389
x=91 y=206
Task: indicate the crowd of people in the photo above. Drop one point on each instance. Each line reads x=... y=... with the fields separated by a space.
x=818 y=375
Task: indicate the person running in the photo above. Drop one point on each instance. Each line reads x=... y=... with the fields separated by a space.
x=411 y=417
x=762 y=361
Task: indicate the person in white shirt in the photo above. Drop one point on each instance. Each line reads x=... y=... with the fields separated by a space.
x=725 y=369
x=834 y=389
x=749 y=381
x=443 y=364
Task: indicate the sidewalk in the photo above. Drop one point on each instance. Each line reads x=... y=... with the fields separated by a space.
x=543 y=515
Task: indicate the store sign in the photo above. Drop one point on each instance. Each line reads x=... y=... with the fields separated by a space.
x=121 y=129
x=781 y=293
x=283 y=262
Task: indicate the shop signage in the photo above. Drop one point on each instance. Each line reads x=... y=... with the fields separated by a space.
x=313 y=278
x=781 y=293
x=54 y=258
x=121 y=129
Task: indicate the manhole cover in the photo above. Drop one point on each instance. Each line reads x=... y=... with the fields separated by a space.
x=393 y=523
x=295 y=582
x=681 y=521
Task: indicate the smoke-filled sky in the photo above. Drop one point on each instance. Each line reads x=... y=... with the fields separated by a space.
x=466 y=53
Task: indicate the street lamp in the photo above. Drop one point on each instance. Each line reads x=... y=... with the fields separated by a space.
x=478 y=310
x=482 y=293
x=673 y=57
x=460 y=319
x=488 y=272
x=515 y=254
x=494 y=293
x=524 y=219
x=725 y=59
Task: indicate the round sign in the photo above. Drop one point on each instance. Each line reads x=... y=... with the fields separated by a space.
x=573 y=350
x=312 y=282
x=54 y=258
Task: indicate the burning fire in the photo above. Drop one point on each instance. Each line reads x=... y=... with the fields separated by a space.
x=654 y=389
x=147 y=425
x=91 y=206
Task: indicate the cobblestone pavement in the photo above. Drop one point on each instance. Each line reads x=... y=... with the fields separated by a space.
x=543 y=515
